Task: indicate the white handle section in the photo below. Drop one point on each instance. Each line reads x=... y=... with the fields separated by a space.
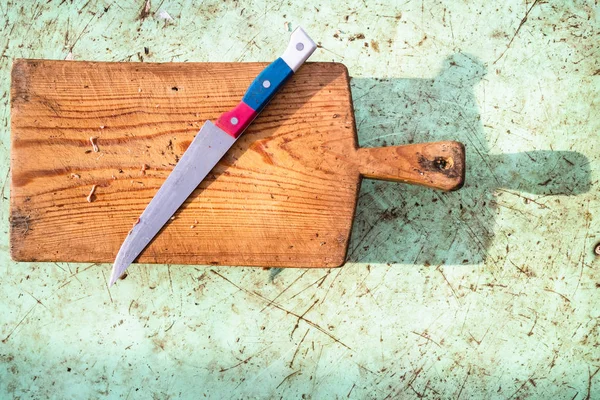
x=300 y=48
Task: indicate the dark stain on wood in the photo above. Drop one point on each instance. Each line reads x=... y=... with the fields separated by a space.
x=260 y=148
x=19 y=223
x=451 y=167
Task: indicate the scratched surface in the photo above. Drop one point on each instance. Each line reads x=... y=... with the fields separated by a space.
x=492 y=291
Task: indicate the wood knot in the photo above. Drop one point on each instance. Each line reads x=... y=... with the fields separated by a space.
x=443 y=163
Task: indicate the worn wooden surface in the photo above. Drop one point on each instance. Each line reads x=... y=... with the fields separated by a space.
x=490 y=291
x=284 y=196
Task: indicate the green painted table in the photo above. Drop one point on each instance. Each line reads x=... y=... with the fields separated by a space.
x=491 y=291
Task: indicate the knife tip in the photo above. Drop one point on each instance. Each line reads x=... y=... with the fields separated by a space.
x=114 y=276
x=111 y=282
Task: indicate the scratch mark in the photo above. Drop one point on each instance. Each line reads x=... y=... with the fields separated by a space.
x=414 y=377
x=463 y=384
x=448 y=282
x=283 y=291
x=483 y=337
x=309 y=322
x=319 y=281
x=427 y=337
x=72 y=274
x=591 y=376
x=4 y=183
x=243 y=361
x=64 y=270
x=581 y=258
x=107 y=288
x=419 y=395
x=37 y=300
x=530 y=333
x=332 y=52
x=81 y=34
x=561 y=295
x=247 y=47
x=170 y=326
x=298 y=348
x=302 y=317
x=287 y=377
x=317 y=364
x=331 y=285
x=521 y=387
x=19 y=323
x=360 y=241
x=77 y=272
x=351 y=389
x=517 y=31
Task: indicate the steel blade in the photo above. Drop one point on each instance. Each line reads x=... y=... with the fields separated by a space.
x=205 y=151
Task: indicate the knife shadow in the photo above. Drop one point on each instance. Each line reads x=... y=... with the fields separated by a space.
x=397 y=223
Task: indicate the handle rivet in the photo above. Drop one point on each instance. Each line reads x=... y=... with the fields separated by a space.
x=266 y=84
x=300 y=46
x=234 y=121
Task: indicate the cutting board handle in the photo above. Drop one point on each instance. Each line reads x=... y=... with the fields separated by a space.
x=439 y=165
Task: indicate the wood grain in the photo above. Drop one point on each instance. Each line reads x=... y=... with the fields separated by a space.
x=284 y=195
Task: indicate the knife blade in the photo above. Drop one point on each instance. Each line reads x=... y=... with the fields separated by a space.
x=208 y=147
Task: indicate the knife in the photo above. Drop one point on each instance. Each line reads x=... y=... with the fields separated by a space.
x=208 y=147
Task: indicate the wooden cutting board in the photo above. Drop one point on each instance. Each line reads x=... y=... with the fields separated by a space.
x=284 y=195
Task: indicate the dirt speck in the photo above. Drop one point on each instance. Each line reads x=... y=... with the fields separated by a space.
x=498 y=34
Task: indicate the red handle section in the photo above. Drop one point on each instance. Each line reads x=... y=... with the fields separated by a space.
x=234 y=122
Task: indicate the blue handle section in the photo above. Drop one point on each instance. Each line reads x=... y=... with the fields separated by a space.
x=266 y=84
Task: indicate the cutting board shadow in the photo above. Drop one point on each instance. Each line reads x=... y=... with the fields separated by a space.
x=415 y=225
x=286 y=194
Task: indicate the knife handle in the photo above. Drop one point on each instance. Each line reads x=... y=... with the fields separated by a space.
x=267 y=83
x=438 y=165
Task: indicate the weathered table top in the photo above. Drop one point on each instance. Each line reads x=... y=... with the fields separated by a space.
x=491 y=291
